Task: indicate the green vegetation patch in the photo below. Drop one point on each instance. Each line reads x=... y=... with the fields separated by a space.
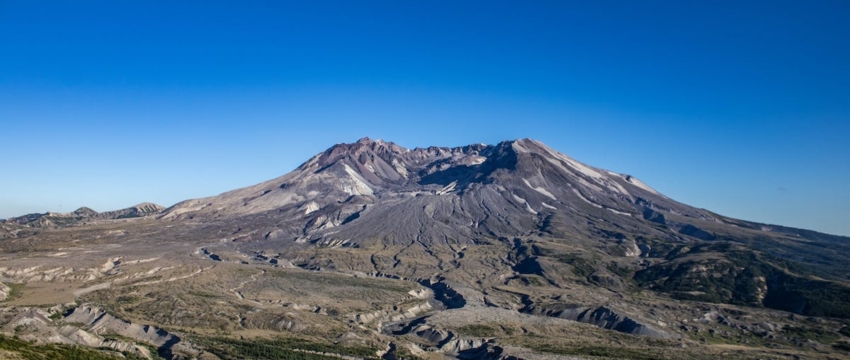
x=842 y=345
x=581 y=267
x=15 y=291
x=808 y=296
x=333 y=280
x=123 y=300
x=743 y=338
x=478 y=330
x=59 y=314
x=533 y=280
x=30 y=351
x=820 y=335
x=204 y=294
x=281 y=348
x=621 y=271
x=724 y=272
x=602 y=351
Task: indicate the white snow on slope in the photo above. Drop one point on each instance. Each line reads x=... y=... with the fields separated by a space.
x=580 y=179
x=448 y=188
x=585 y=199
x=614 y=185
x=559 y=160
x=548 y=206
x=634 y=181
x=540 y=190
x=527 y=206
x=577 y=166
x=618 y=212
x=642 y=185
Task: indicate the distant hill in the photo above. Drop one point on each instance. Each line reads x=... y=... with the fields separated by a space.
x=83 y=214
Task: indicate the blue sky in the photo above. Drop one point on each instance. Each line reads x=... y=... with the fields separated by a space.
x=740 y=107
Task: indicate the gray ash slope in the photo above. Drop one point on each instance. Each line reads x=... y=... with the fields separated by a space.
x=378 y=208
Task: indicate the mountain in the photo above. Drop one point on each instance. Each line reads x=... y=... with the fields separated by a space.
x=83 y=214
x=443 y=199
x=465 y=251
x=498 y=189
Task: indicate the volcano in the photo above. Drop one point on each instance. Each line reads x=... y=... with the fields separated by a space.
x=500 y=235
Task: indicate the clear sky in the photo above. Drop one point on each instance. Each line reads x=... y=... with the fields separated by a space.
x=740 y=107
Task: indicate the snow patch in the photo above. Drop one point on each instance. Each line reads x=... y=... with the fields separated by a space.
x=585 y=199
x=631 y=180
x=540 y=190
x=618 y=212
x=548 y=206
x=448 y=188
x=613 y=185
x=527 y=206
x=634 y=181
x=577 y=166
x=580 y=179
x=581 y=168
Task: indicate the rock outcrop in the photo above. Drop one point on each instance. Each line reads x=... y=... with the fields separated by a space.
x=98 y=321
x=4 y=291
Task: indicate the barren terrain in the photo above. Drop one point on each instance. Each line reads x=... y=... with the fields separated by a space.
x=371 y=250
